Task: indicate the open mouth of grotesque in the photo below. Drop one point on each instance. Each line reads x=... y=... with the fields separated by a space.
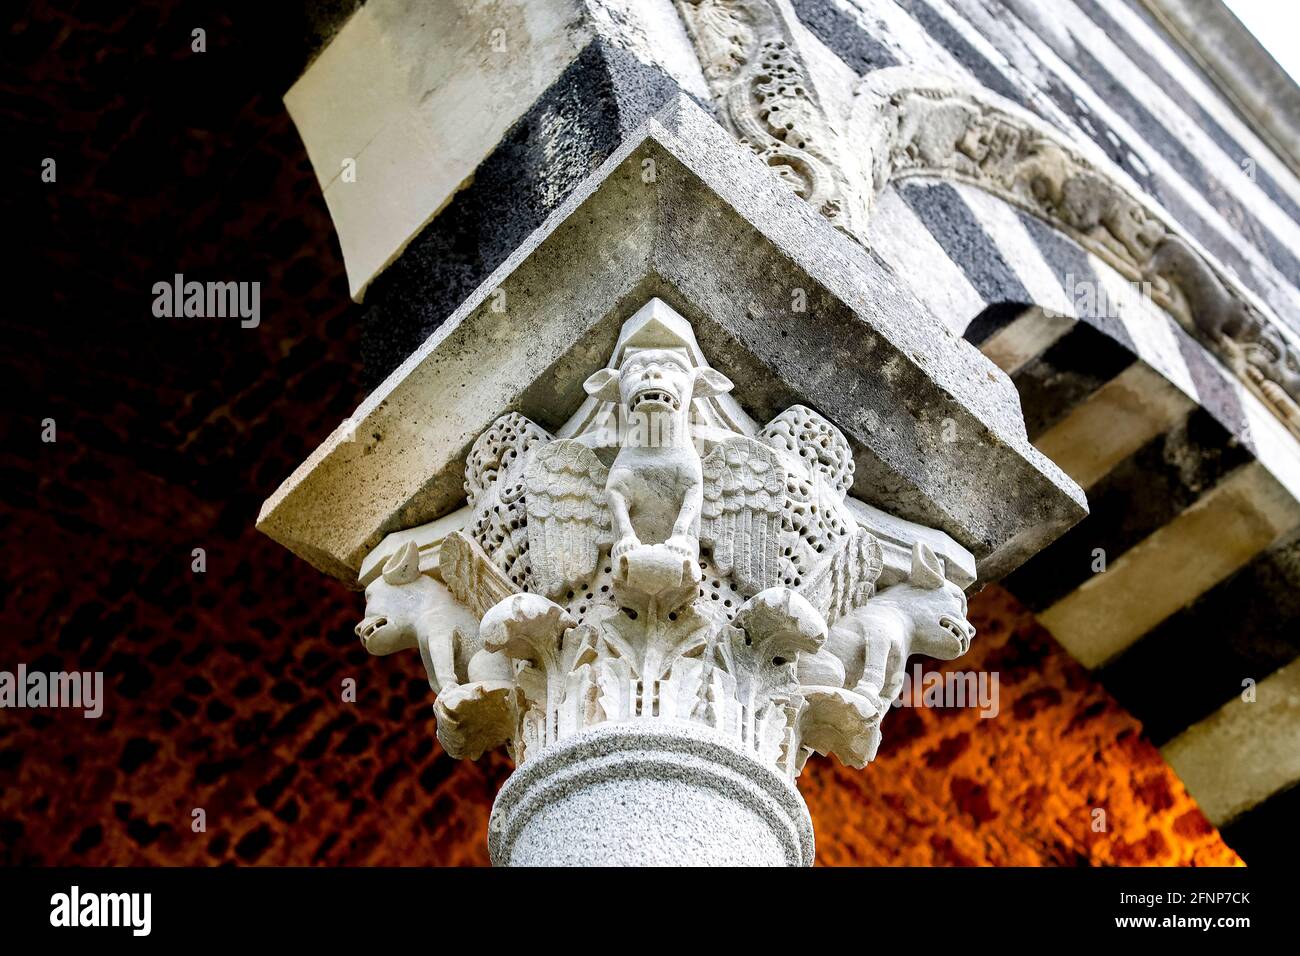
x=655 y=396
x=367 y=628
x=955 y=628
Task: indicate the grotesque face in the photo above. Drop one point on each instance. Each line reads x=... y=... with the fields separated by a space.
x=656 y=380
x=943 y=628
x=394 y=602
x=936 y=607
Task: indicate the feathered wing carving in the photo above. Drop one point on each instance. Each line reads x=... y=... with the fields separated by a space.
x=848 y=578
x=470 y=574
x=568 y=519
x=744 y=489
x=494 y=485
x=812 y=439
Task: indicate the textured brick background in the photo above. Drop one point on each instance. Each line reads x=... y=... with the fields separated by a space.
x=223 y=688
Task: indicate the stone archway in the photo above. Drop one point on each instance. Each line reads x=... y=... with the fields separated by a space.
x=907 y=124
x=1187 y=454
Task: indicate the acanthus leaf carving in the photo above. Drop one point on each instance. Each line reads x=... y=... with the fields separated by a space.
x=547 y=646
x=842 y=723
x=763 y=645
x=476 y=717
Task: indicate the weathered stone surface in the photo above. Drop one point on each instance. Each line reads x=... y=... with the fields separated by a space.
x=770 y=98
x=1167 y=570
x=1246 y=750
x=680 y=212
x=1138 y=497
x=1243 y=628
x=1113 y=423
x=599 y=98
x=401 y=107
x=908 y=123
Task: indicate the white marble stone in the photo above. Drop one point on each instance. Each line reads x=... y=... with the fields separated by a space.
x=671 y=606
x=415 y=95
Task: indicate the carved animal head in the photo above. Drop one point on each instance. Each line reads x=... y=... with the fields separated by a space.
x=1274 y=357
x=1288 y=374
x=395 y=602
x=651 y=380
x=935 y=607
x=1045 y=171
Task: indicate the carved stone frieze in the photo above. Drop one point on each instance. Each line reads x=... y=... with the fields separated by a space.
x=908 y=125
x=767 y=99
x=904 y=123
x=664 y=562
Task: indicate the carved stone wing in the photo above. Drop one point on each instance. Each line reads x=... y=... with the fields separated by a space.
x=568 y=519
x=808 y=436
x=470 y=574
x=848 y=579
x=744 y=489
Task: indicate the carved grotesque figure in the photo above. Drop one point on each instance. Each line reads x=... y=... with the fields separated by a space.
x=655 y=487
x=395 y=601
x=924 y=614
x=658 y=501
x=405 y=608
x=686 y=565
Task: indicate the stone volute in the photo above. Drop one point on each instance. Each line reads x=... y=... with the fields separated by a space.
x=661 y=536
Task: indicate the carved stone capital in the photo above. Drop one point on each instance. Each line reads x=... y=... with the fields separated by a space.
x=666 y=562
x=663 y=553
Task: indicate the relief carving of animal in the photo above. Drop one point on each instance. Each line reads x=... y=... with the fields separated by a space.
x=924 y=614
x=405 y=608
x=1214 y=310
x=650 y=504
x=1088 y=202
